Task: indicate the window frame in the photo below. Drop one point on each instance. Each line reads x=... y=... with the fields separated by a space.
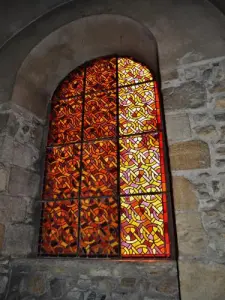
x=169 y=191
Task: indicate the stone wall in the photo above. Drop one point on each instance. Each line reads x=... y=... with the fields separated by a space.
x=194 y=102
x=87 y=279
x=21 y=134
x=194 y=92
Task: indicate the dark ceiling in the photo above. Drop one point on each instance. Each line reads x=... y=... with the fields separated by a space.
x=220 y=4
x=13 y=20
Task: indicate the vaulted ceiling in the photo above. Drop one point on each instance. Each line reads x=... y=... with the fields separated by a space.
x=15 y=15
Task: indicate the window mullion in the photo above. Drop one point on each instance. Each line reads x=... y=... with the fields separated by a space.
x=81 y=163
x=118 y=155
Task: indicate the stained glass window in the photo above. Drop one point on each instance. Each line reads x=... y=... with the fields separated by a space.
x=104 y=190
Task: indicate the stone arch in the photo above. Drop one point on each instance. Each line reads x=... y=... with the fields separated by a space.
x=72 y=45
x=37 y=78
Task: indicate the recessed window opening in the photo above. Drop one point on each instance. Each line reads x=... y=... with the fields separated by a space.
x=104 y=190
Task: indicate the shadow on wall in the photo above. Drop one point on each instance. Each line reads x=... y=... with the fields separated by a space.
x=72 y=45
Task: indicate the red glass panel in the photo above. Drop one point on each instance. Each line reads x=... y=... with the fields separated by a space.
x=101 y=75
x=71 y=86
x=100 y=115
x=99 y=175
x=142 y=226
x=62 y=172
x=59 y=230
x=157 y=102
x=99 y=234
x=65 y=123
x=140 y=164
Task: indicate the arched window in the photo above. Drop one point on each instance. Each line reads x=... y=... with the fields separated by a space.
x=104 y=191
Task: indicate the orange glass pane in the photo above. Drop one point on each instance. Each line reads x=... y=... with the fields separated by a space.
x=131 y=72
x=99 y=174
x=62 y=172
x=83 y=160
x=101 y=75
x=65 y=121
x=59 y=229
x=71 y=86
x=99 y=234
x=142 y=226
x=100 y=115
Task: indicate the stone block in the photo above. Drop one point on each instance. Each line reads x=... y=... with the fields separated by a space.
x=220 y=150
x=74 y=294
x=212 y=75
x=215 y=186
x=178 y=127
x=84 y=283
x=167 y=287
x=18 y=240
x=30 y=131
x=201 y=281
x=3 y=284
x=2 y=235
x=222 y=135
x=216 y=251
x=192 y=239
x=128 y=282
x=90 y=295
x=4 y=266
x=183 y=194
x=12 y=209
x=6 y=149
x=187 y=95
x=200 y=117
x=207 y=203
x=37 y=284
x=220 y=103
x=4 y=117
x=36 y=134
x=25 y=156
x=13 y=125
x=206 y=131
x=189 y=155
x=191 y=73
x=104 y=283
x=220 y=117
x=222 y=188
x=3 y=178
x=203 y=190
x=213 y=220
x=124 y=296
x=220 y=163
x=24 y=183
x=57 y=288
x=217 y=87
x=29 y=297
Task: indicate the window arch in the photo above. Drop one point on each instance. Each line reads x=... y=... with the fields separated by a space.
x=104 y=189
